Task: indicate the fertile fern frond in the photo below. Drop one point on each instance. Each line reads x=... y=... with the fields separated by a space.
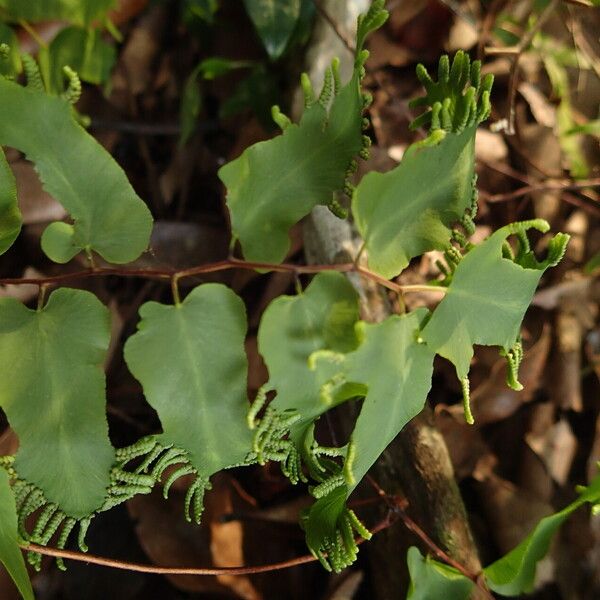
x=458 y=99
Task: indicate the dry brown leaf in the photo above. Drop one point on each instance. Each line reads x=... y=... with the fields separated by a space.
x=543 y=111
x=566 y=374
x=490 y=147
x=170 y=541
x=556 y=446
x=465 y=443
x=511 y=512
x=227 y=538
x=135 y=70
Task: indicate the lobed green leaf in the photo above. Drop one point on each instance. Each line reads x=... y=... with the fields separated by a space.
x=488 y=296
x=394 y=371
x=410 y=209
x=52 y=389
x=273 y=184
x=191 y=362
x=109 y=218
x=294 y=327
x=397 y=371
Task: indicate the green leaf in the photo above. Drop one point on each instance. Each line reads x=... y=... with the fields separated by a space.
x=216 y=66
x=291 y=330
x=52 y=391
x=294 y=327
x=589 y=128
x=393 y=371
x=489 y=295
x=204 y=9
x=109 y=218
x=85 y=51
x=592 y=264
x=397 y=371
x=191 y=99
x=430 y=579
x=10 y=215
x=257 y=92
x=273 y=184
x=275 y=21
x=190 y=107
x=10 y=553
x=409 y=210
x=514 y=573
x=191 y=362
x=79 y=12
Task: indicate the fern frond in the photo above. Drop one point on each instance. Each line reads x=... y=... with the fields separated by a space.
x=514 y=356
x=32 y=73
x=270 y=441
x=458 y=99
x=338 y=548
x=73 y=91
x=466 y=386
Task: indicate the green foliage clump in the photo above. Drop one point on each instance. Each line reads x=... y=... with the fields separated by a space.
x=189 y=356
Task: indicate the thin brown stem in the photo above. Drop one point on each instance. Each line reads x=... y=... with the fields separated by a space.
x=223 y=265
x=441 y=554
x=142 y=568
x=397 y=506
x=544 y=187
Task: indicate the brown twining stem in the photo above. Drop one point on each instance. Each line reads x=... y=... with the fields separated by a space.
x=224 y=265
x=397 y=506
x=544 y=187
x=388 y=521
x=582 y=201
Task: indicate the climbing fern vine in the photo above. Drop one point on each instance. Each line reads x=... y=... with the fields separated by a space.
x=189 y=355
